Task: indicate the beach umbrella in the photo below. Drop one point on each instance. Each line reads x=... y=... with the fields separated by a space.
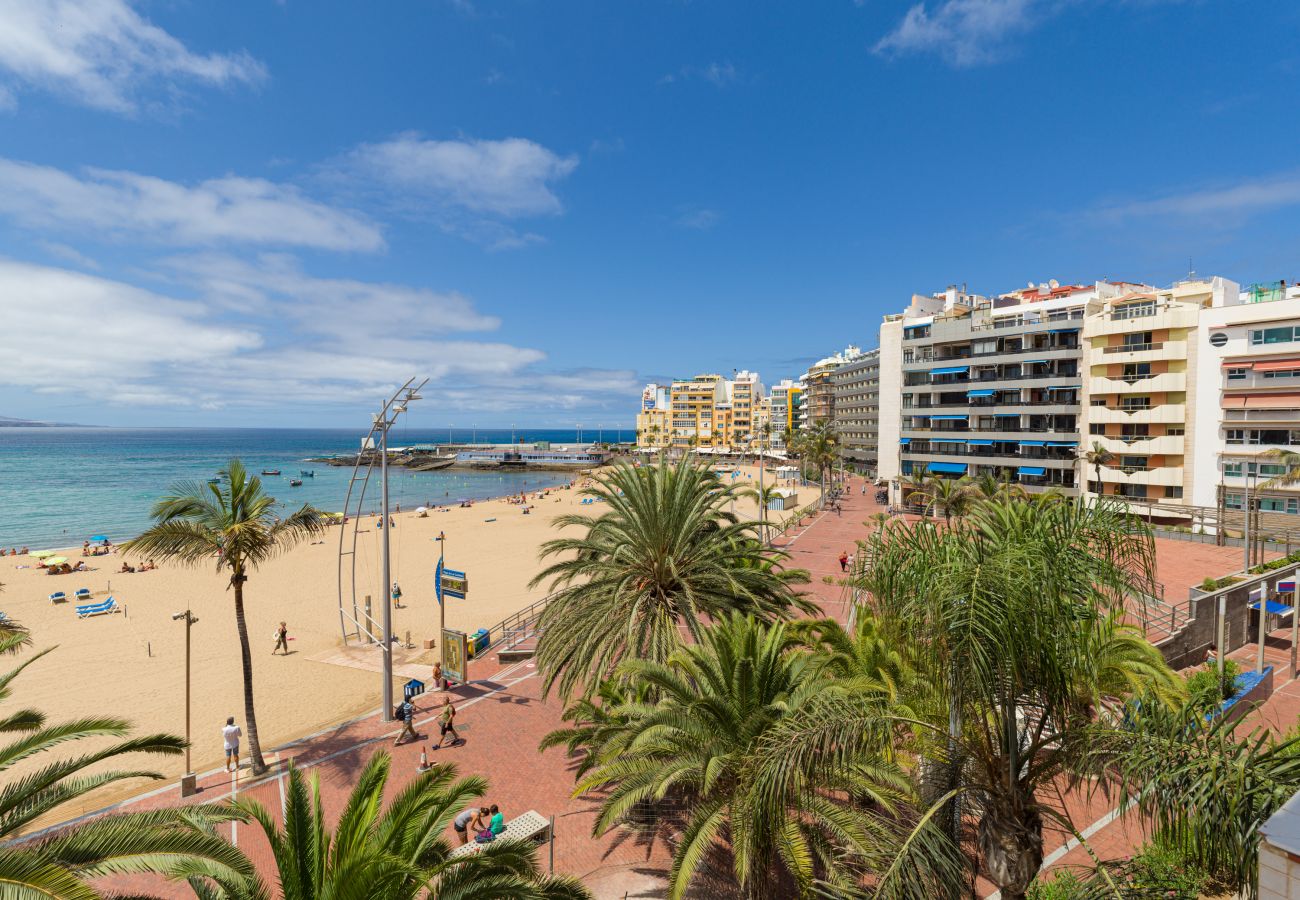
x=99 y=537
x=41 y=554
x=422 y=509
x=56 y=560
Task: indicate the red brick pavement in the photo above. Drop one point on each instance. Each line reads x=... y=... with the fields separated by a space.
x=504 y=717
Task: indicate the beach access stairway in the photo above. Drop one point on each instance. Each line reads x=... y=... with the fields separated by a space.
x=515 y=637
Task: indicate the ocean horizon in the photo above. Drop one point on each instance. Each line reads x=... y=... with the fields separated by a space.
x=60 y=485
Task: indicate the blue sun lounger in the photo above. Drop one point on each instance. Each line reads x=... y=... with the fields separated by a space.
x=82 y=594
x=96 y=609
x=58 y=597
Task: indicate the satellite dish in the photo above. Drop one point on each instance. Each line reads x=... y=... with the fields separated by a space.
x=1054 y=284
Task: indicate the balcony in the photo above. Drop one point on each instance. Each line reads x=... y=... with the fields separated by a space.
x=1169 y=476
x=1139 y=353
x=1239 y=416
x=1139 y=384
x=1165 y=413
x=1147 y=446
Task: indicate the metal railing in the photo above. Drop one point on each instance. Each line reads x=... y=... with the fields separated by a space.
x=1132 y=348
x=517 y=627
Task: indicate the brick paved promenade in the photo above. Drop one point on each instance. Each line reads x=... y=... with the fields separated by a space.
x=502 y=718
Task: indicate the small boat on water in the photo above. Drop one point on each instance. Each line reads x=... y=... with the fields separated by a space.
x=270 y=471
x=214 y=481
x=295 y=482
x=307 y=473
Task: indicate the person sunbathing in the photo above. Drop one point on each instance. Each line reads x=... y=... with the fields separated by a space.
x=126 y=568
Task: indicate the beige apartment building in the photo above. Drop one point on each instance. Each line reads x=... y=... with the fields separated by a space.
x=1142 y=358
x=856 y=388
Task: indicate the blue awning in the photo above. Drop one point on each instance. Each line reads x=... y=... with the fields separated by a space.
x=1062 y=330
x=946 y=440
x=951 y=370
x=905 y=440
x=980 y=443
x=1033 y=362
x=983 y=392
x=1067 y=387
x=1062 y=443
x=949 y=418
x=947 y=468
x=1274 y=608
x=1031 y=470
x=1006 y=415
x=1031 y=443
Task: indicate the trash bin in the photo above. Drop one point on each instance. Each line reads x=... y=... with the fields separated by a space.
x=478 y=642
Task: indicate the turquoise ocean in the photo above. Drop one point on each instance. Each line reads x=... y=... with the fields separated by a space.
x=59 y=486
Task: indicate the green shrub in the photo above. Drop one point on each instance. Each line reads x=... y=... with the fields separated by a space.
x=1061 y=886
x=1159 y=871
x=1203 y=688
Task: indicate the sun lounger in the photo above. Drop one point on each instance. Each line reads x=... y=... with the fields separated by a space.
x=83 y=594
x=97 y=609
x=4 y=617
x=531 y=826
x=58 y=597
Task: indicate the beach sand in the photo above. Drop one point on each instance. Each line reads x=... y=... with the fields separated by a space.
x=132 y=664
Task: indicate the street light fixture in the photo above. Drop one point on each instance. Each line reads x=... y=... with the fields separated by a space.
x=189 y=783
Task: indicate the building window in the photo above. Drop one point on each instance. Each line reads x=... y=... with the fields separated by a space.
x=1136 y=371
x=1174 y=493
x=1285 y=335
x=1237 y=374
x=1284 y=373
x=1097 y=401
x=1129 y=404
x=1097 y=429
x=1288 y=505
x=1233 y=501
x=1232 y=470
x=1235 y=436
x=1175 y=430
x=1135 y=310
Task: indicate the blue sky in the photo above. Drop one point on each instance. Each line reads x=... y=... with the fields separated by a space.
x=257 y=212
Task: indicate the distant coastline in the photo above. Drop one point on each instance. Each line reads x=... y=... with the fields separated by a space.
x=7 y=422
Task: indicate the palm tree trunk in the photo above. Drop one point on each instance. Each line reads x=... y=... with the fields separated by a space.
x=1011 y=842
x=246 y=654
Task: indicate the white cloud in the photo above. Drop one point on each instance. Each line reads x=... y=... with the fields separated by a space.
x=1232 y=202
x=964 y=32
x=699 y=219
x=718 y=74
x=103 y=53
x=69 y=254
x=220 y=210
x=510 y=178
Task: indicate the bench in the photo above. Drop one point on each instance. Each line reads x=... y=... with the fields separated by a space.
x=531 y=826
x=98 y=609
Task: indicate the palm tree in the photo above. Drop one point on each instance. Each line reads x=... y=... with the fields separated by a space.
x=232 y=525
x=1015 y=614
x=1097 y=456
x=952 y=495
x=400 y=853
x=991 y=487
x=820 y=446
x=701 y=744
x=1200 y=786
x=65 y=863
x=666 y=555
x=1291 y=460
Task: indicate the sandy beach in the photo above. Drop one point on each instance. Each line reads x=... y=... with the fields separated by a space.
x=132 y=664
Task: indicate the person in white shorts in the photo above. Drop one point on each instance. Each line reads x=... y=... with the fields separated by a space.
x=230 y=736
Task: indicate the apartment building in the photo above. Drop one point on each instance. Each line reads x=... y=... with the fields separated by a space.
x=1142 y=360
x=786 y=410
x=744 y=393
x=991 y=386
x=819 y=392
x=695 y=411
x=1250 y=380
x=653 y=420
x=856 y=394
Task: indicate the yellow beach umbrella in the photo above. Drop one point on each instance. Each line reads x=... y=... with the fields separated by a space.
x=41 y=554
x=56 y=560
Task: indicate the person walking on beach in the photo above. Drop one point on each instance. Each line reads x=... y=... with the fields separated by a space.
x=230 y=736
x=446 y=723
x=397 y=595
x=281 y=639
x=406 y=713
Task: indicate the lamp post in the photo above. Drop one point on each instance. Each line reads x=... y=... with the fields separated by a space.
x=189 y=783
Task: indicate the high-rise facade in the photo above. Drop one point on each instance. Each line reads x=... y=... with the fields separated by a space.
x=653 y=420
x=992 y=386
x=856 y=412
x=819 y=391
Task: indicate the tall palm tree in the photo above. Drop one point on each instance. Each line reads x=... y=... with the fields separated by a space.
x=992 y=487
x=700 y=745
x=1097 y=456
x=952 y=495
x=1015 y=613
x=233 y=526
x=666 y=555
x=820 y=447
x=372 y=853
x=64 y=864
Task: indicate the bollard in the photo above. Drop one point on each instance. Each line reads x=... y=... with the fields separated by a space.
x=369 y=620
x=150 y=646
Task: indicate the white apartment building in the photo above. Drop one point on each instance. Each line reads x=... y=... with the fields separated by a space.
x=1249 y=388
